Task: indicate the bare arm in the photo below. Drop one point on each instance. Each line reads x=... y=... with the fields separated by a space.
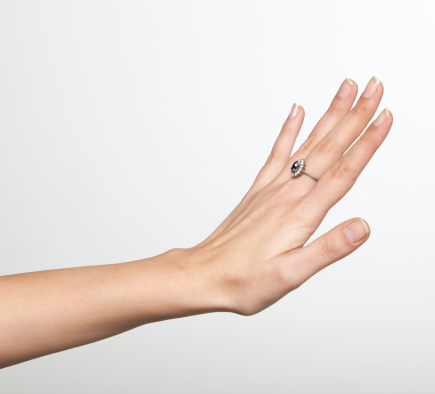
x=48 y=311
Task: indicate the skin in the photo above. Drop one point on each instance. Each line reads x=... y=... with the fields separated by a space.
x=255 y=257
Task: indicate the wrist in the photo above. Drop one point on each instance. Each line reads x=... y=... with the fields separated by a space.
x=199 y=285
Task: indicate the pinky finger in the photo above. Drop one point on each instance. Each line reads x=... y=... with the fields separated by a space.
x=281 y=150
x=284 y=143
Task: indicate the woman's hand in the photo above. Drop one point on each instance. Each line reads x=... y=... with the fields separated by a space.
x=255 y=257
x=258 y=254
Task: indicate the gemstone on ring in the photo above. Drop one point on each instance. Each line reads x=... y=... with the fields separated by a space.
x=298 y=167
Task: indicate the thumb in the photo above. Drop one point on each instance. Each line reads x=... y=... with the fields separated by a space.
x=337 y=243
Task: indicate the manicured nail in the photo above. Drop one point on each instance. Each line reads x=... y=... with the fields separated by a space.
x=371 y=87
x=356 y=230
x=345 y=88
x=381 y=117
x=295 y=110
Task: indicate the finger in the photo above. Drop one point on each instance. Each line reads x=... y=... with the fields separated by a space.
x=340 y=178
x=284 y=143
x=332 y=146
x=281 y=150
x=301 y=264
x=339 y=107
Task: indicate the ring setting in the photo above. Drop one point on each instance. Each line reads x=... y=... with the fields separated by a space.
x=298 y=168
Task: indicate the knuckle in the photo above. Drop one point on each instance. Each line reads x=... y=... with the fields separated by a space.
x=337 y=108
x=340 y=170
x=363 y=106
x=276 y=159
x=289 y=279
x=370 y=141
x=307 y=146
x=329 y=248
x=326 y=145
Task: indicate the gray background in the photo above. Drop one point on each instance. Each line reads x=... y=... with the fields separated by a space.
x=129 y=127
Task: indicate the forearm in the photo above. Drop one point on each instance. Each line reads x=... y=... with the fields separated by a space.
x=49 y=311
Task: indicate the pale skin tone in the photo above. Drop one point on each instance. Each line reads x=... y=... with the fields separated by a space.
x=255 y=257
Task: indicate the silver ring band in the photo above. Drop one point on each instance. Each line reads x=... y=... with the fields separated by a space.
x=298 y=168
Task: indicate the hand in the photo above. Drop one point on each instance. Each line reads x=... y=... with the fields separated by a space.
x=258 y=253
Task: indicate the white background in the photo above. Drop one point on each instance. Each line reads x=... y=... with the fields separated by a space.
x=131 y=127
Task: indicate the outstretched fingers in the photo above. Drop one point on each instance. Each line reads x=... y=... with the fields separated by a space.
x=281 y=154
x=339 y=107
x=335 y=143
x=340 y=178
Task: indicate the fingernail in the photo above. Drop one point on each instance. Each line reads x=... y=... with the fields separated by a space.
x=371 y=87
x=295 y=110
x=345 y=88
x=381 y=117
x=356 y=230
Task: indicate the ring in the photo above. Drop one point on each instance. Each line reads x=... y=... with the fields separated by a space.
x=298 y=168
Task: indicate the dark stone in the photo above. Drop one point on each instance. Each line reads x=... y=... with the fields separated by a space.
x=295 y=166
